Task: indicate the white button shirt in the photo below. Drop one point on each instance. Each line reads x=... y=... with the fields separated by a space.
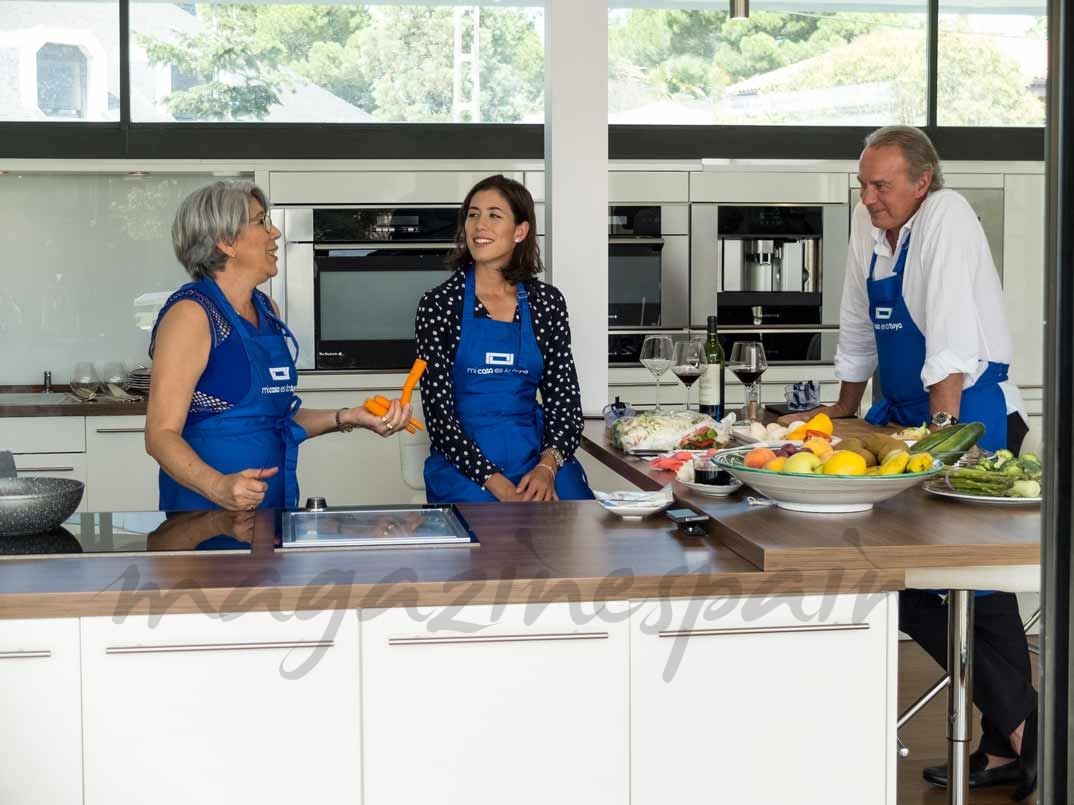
x=951 y=289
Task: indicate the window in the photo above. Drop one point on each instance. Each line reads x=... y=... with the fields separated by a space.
x=59 y=60
x=341 y=63
x=853 y=63
x=61 y=81
x=993 y=63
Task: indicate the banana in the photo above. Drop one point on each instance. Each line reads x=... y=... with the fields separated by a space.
x=895 y=462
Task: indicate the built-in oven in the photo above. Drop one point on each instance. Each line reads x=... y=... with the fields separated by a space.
x=354 y=277
x=648 y=274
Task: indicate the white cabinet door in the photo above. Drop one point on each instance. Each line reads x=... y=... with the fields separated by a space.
x=41 y=741
x=44 y=434
x=505 y=711
x=1023 y=274
x=54 y=465
x=217 y=712
x=354 y=468
x=779 y=707
x=121 y=476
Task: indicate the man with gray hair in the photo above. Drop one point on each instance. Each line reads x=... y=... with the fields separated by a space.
x=923 y=306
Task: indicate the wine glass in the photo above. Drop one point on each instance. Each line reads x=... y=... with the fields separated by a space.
x=84 y=381
x=748 y=362
x=112 y=373
x=688 y=363
x=656 y=354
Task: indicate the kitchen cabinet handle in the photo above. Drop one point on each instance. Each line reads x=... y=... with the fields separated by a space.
x=25 y=655
x=182 y=648
x=498 y=638
x=121 y=430
x=747 y=630
x=635 y=241
x=44 y=469
x=384 y=244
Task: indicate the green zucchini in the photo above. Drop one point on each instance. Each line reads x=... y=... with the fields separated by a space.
x=950 y=443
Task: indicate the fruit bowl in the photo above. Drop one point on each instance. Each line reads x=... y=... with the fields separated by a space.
x=809 y=492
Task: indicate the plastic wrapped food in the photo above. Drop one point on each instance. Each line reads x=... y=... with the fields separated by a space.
x=663 y=430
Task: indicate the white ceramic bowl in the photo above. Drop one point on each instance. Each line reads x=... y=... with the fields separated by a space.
x=805 y=492
x=635 y=511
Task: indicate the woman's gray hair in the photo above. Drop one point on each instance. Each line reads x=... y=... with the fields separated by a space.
x=207 y=216
x=916 y=147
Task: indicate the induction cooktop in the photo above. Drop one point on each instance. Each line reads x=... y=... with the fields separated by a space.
x=320 y=528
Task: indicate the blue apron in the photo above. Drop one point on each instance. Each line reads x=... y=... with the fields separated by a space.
x=260 y=430
x=496 y=374
x=900 y=348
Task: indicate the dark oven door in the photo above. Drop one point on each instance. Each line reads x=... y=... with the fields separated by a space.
x=634 y=282
x=365 y=298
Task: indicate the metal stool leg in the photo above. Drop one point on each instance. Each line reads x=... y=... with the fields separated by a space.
x=960 y=695
x=1029 y=624
x=915 y=708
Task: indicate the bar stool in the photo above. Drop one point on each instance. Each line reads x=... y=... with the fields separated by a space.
x=413 y=450
x=960 y=583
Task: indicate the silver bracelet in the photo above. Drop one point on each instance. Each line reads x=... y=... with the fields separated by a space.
x=341 y=426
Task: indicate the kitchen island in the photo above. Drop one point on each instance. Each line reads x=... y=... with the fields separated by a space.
x=567 y=655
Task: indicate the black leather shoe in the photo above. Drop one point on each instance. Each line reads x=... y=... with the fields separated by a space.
x=1028 y=759
x=980 y=777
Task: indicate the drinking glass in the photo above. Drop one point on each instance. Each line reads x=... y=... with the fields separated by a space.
x=748 y=362
x=688 y=363
x=656 y=354
x=84 y=381
x=112 y=373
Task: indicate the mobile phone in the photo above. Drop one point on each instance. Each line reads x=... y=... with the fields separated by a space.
x=688 y=521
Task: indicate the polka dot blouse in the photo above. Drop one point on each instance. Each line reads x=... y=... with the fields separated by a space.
x=438 y=328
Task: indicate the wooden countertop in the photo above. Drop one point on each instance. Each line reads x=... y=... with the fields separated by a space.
x=911 y=530
x=75 y=409
x=528 y=552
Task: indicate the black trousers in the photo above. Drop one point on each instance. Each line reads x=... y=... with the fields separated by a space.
x=1002 y=676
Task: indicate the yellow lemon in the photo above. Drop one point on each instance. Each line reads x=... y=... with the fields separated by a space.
x=845 y=462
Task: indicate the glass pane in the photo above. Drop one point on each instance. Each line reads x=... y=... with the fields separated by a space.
x=993 y=63
x=87 y=265
x=338 y=63
x=59 y=61
x=855 y=62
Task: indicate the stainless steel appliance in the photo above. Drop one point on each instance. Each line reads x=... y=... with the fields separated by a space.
x=354 y=276
x=648 y=274
x=771 y=271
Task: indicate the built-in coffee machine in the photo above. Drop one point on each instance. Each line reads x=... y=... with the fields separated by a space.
x=769 y=260
x=769 y=273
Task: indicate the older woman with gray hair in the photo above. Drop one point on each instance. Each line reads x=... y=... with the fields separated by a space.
x=224 y=423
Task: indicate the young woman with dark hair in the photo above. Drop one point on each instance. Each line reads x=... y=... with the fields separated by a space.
x=494 y=336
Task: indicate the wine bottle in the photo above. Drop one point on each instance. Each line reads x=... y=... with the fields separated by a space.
x=712 y=382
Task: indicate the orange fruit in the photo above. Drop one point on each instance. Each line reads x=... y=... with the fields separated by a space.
x=776 y=464
x=845 y=462
x=758 y=457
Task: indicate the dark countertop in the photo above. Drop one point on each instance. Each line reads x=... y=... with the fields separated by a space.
x=75 y=409
x=910 y=530
x=528 y=552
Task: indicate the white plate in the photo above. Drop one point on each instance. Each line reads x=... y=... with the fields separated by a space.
x=714 y=490
x=941 y=488
x=637 y=511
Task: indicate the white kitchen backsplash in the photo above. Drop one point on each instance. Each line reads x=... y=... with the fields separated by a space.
x=85 y=263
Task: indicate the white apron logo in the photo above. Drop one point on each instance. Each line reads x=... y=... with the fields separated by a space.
x=280 y=372
x=883 y=313
x=499 y=359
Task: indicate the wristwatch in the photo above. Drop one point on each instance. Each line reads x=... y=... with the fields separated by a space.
x=342 y=426
x=942 y=419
